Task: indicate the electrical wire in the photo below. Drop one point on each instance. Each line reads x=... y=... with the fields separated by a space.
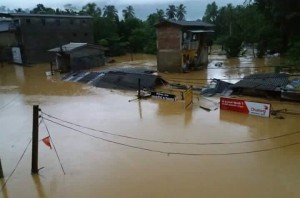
x=54 y=147
x=5 y=105
x=11 y=174
x=169 y=142
x=173 y=153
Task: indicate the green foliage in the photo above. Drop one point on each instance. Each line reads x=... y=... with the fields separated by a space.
x=211 y=13
x=232 y=46
x=294 y=52
x=137 y=40
x=174 y=12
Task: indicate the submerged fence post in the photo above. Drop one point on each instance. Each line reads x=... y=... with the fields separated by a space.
x=35 y=140
x=1 y=171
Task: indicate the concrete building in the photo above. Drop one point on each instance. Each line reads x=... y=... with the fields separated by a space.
x=181 y=45
x=7 y=39
x=78 y=56
x=36 y=33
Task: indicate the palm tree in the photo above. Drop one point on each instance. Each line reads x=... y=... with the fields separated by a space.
x=171 y=12
x=161 y=14
x=110 y=12
x=180 y=12
x=128 y=12
x=91 y=9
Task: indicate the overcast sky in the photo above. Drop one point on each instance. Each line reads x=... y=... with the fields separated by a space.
x=195 y=8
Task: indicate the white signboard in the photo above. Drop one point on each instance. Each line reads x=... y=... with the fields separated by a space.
x=259 y=109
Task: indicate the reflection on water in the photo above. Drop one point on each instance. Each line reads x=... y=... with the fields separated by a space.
x=97 y=168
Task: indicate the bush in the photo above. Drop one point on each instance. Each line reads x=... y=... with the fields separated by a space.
x=232 y=46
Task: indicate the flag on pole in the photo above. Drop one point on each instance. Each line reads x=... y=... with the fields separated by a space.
x=46 y=141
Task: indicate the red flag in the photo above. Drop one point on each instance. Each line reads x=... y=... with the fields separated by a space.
x=46 y=141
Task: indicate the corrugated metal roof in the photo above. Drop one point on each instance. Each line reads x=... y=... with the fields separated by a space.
x=16 y=15
x=4 y=26
x=197 y=23
x=263 y=82
x=125 y=78
x=200 y=31
x=68 y=47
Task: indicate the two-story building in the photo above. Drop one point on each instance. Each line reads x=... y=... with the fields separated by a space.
x=37 y=33
x=182 y=44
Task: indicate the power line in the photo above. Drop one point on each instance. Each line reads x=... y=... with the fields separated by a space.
x=169 y=142
x=54 y=147
x=11 y=174
x=173 y=153
x=5 y=105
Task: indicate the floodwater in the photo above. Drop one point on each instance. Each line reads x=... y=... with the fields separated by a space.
x=108 y=162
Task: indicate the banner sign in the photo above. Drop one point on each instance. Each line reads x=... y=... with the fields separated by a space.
x=163 y=96
x=252 y=108
x=188 y=97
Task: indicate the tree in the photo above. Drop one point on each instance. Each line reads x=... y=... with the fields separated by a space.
x=70 y=9
x=111 y=13
x=211 y=13
x=41 y=9
x=171 y=12
x=128 y=12
x=91 y=9
x=160 y=14
x=180 y=12
x=137 y=40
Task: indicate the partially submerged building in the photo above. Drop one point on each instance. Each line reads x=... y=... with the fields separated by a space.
x=36 y=33
x=7 y=39
x=78 y=56
x=182 y=44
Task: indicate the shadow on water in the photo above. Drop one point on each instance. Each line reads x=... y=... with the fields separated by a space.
x=4 y=190
x=39 y=186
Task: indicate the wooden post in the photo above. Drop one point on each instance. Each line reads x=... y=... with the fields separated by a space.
x=35 y=140
x=139 y=91
x=1 y=171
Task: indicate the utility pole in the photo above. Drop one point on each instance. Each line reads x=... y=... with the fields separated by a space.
x=35 y=140
x=1 y=171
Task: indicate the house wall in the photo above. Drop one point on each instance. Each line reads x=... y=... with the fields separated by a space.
x=169 y=40
x=7 y=39
x=86 y=58
x=39 y=34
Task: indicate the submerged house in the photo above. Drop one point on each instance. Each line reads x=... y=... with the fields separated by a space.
x=78 y=56
x=182 y=44
x=36 y=33
x=7 y=39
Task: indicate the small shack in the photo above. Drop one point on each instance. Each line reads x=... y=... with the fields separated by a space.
x=182 y=44
x=78 y=56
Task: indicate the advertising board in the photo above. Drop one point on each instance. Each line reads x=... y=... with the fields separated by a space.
x=243 y=106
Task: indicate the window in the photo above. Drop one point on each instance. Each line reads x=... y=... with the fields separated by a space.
x=28 y=21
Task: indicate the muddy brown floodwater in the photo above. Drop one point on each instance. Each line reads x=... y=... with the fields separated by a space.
x=99 y=164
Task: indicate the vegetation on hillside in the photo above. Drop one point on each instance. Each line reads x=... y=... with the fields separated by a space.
x=269 y=26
